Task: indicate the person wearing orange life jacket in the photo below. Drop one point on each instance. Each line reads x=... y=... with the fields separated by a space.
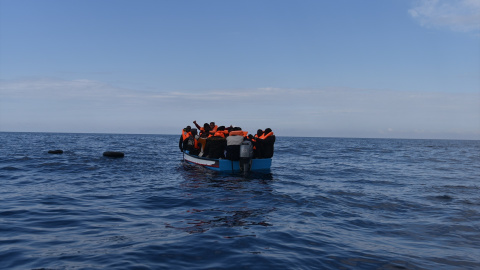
x=234 y=140
x=259 y=134
x=213 y=128
x=204 y=129
x=192 y=143
x=202 y=141
x=220 y=132
x=257 y=144
x=216 y=144
x=267 y=140
x=186 y=132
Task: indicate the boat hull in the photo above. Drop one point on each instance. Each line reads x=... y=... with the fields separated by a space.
x=225 y=165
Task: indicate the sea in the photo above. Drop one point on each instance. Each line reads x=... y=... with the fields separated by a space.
x=326 y=203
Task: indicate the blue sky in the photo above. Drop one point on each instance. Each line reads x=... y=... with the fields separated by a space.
x=374 y=68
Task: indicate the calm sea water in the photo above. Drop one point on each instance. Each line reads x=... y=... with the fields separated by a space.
x=327 y=203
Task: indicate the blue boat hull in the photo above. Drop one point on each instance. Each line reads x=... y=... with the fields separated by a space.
x=225 y=165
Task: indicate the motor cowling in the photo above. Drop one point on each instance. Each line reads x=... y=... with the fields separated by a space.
x=246 y=150
x=246 y=155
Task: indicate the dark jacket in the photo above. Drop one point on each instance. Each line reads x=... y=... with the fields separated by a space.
x=264 y=147
x=215 y=147
x=233 y=147
x=180 y=143
x=268 y=147
x=187 y=144
x=233 y=152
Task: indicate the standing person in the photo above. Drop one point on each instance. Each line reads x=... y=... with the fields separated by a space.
x=205 y=130
x=202 y=129
x=192 y=143
x=202 y=141
x=211 y=129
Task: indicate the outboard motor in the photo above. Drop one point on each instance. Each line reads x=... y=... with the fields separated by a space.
x=246 y=155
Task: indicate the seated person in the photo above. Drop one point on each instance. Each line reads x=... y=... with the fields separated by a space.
x=186 y=132
x=257 y=144
x=192 y=143
x=234 y=140
x=268 y=141
x=215 y=145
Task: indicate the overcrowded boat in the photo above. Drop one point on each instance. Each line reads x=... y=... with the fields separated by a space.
x=227 y=149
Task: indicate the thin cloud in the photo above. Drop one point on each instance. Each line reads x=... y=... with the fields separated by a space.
x=456 y=15
x=91 y=106
x=54 y=89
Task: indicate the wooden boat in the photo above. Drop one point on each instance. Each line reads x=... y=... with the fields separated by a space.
x=225 y=165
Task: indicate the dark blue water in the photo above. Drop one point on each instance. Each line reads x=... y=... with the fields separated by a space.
x=328 y=203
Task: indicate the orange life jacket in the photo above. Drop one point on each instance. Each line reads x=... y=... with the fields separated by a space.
x=196 y=144
x=185 y=134
x=263 y=137
x=220 y=134
x=236 y=133
x=254 y=140
x=239 y=133
x=214 y=130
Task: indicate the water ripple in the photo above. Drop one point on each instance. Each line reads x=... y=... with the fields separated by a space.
x=327 y=203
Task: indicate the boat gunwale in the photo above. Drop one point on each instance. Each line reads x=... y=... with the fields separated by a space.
x=204 y=158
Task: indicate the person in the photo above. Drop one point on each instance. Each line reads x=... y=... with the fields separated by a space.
x=205 y=128
x=234 y=140
x=192 y=143
x=213 y=128
x=268 y=140
x=215 y=145
x=220 y=132
x=202 y=141
x=258 y=144
x=186 y=132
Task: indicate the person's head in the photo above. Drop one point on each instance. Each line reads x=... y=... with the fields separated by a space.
x=212 y=125
x=237 y=128
x=188 y=128
x=206 y=127
x=220 y=128
x=268 y=130
x=194 y=131
x=259 y=132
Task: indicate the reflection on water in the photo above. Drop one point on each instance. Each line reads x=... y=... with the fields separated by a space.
x=239 y=190
x=202 y=220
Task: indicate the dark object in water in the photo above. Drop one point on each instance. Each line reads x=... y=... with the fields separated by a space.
x=113 y=154
x=55 y=152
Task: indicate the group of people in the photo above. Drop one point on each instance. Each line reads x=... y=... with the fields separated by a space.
x=214 y=141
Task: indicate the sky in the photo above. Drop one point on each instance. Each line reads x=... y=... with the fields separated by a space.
x=330 y=68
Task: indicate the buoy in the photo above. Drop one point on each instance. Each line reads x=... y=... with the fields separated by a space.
x=55 y=152
x=113 y=154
